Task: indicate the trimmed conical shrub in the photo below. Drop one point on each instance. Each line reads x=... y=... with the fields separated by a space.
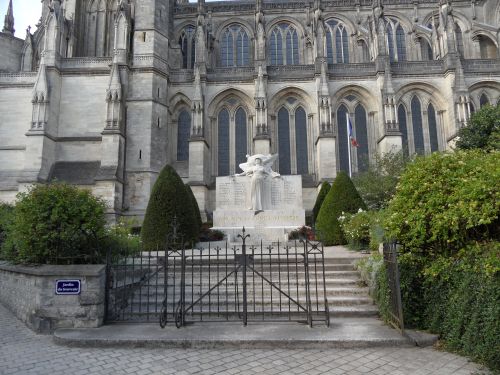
x=342 y=197
x=195 y=205
x=168 y=199
x=325 y=188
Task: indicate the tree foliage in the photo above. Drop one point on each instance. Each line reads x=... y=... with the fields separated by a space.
x=482 y=131
x=56 y=223
x=196 y=208
x=323 y=191
x=378 y=184
x=6 y=213
x=342 y=197
x=169 y=198
x=445 y=200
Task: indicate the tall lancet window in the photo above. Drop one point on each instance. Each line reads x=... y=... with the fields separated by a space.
x=301 y=141
x=396 y=40
x=188 y=46
x=483 y=100
x=361 y=131
x=418 y=130
x=234 y=47
x=433 y=134
x=342 y=138
x=337 y=42
x=283 y=45
x=183 y=132
x=223 y=143
x=96 y=28
x=285 y=166
x=403 y=127
x=240 y=138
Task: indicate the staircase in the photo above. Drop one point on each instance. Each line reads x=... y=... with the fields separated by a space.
x=138 y=291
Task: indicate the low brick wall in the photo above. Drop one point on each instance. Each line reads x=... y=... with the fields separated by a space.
x=29 y=292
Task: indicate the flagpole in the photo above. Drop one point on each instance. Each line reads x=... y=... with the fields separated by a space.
x=348 y=143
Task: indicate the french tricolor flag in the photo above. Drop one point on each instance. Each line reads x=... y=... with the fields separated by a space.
x=353 y=141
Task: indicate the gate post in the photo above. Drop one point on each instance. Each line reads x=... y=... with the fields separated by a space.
x=244 y=236
x=306 y=277
x=107 y=284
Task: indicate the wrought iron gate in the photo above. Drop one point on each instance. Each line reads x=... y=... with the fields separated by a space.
x=396 y=308
x=181 y=284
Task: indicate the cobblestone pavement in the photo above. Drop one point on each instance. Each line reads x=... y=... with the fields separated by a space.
x=23 y=352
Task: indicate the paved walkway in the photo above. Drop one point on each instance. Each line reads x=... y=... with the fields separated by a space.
x=22 y=352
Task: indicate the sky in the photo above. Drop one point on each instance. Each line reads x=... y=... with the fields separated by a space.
x=26 y=12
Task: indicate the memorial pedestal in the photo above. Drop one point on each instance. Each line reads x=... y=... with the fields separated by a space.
x=283 y=210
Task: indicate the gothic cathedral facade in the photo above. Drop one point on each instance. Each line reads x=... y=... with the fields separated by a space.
x=106 y=92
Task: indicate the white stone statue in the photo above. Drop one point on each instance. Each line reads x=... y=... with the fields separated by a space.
x=258 y=167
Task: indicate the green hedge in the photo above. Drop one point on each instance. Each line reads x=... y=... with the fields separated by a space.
x=457 y=297
x=56 y=223
x=323 y=192
x=6 y=213
x=169 y=198
x=342 y=197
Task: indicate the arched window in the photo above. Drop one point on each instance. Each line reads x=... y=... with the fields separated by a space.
x=483 y=100
x=223 y=142
x=487 y=48
x=342 y=139
x=403 y=128
x=284 y=45
x=433 y=136
x=459 y=39
x=337 y=43
x=361 y=134
x=301 y=141
x=284 y=142
x=96 y=28
x=240 y=140
x=396 y=40
x=418 y=132
x=365 y=53
x=187 y=43
x=183 y=132
x=426 y=50
x=234 y=47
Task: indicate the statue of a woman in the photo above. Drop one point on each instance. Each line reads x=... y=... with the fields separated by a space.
x=258 y=167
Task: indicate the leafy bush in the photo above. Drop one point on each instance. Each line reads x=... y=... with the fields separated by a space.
x=342 y=197
x=196 y=208
x=56 y=223
x=207 y=234
x=5 y=218
x=356 y=228
x=378 y=184
x=457 y=297
x=482 y=131
x=122 y=239
x=323 y=192
x=445 y=200
x=169 y=198
x=302 y=233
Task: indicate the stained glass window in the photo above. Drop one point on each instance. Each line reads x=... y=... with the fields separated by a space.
x=433 y=137
x=283 y=46
x=183 y=132
x=401 y=43
x=234 y=47
x=418 y=132
x=483 y=100
x=337 y=48
x=403 y=128
x=361 y=137
x=240 y=142
x=301 y=141
x=342 y=139
x=223 y=143
x=187 y=43
x=284 y=142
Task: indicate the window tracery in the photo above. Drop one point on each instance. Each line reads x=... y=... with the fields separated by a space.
x=283 y=45
x=188 y=46
x=234 y=47
x=337 y=42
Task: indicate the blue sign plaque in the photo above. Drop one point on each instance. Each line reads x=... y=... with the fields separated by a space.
x=68 y=287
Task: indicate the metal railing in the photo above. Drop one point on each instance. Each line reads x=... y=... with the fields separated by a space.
x=233 y=282
x=395 y=305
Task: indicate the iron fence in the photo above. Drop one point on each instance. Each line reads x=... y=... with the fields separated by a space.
x=230 y=282
x=395 y=305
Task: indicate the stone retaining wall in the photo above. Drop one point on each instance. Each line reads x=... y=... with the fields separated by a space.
x=29 y=292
